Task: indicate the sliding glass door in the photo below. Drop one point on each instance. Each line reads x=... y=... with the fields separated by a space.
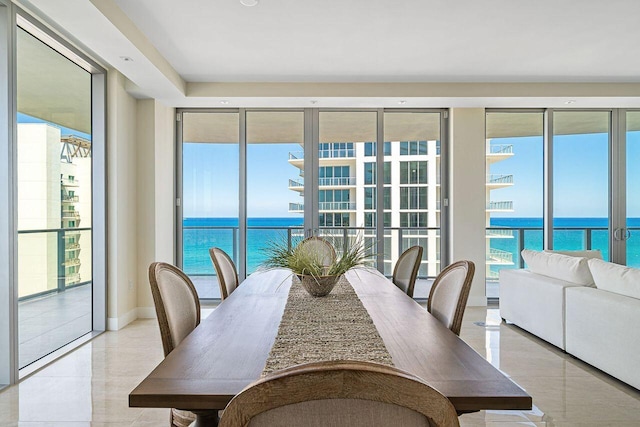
x=631 y=234
x=581 y=180
x=210 y=188
x=275 y=182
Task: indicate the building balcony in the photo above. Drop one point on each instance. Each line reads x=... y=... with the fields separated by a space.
x=296 y=207
x=499 y=234
x=505 y=206
x=70 y=199
x=71 y=279
x=70 y=215
x=498 y=181
x=337 y=182
x=71 y=262
x=69 y=182
x=337 y=206
x=498 y=257
x=72 y=247
x=337 y=153
x=498 y=152
x=296 y=185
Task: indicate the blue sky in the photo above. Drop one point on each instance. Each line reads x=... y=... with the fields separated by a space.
x=211 y=180
x=23 y=118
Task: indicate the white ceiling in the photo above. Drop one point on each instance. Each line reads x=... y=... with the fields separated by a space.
x=186 y=53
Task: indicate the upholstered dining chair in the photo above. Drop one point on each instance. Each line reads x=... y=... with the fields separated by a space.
x=225 y=270
x=178 y=311
x=406 y=270
x=319 y=246
x=339 y=393
x=449 y=294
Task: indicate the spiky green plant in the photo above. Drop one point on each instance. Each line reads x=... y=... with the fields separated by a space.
x=303 y=261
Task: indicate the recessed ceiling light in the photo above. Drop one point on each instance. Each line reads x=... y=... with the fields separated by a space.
x=224 y=102
x=402 y=102
x=313 y=101
x=249 y=3
x=571 y=101
x=126 y=59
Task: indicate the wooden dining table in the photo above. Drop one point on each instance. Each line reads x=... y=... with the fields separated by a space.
x=229 y=348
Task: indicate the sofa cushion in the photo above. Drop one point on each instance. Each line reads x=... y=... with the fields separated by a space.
x=616 y=278
x=592 y=253
x=568 y=268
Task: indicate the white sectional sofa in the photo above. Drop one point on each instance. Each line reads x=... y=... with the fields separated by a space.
x=588 y=307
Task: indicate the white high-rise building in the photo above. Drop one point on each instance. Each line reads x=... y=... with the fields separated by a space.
x=54 y=179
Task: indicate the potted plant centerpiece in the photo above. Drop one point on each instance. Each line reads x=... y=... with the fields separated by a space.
x=315 y=262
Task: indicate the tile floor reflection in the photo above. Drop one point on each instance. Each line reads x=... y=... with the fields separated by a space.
x=90 y=386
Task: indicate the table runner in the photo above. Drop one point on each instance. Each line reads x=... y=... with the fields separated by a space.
x=334 y=327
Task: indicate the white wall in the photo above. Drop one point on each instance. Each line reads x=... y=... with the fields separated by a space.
x=155 y=189
x=122 y=214
x=468 y=194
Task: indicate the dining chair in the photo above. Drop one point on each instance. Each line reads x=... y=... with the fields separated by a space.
x=339 y=393
x=225 y=270
x=449 y=294
x=178 y=310
x=406 y=270
x=317 y=245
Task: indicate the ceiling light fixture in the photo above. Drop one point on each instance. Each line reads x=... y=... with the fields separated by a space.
x=224 y=102
x=249 y=3
x=402 y=102
x=126 y=59
x=313 y=101
x=571 y=101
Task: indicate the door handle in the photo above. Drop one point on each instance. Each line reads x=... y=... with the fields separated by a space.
x=627 y=234
x=616 y=234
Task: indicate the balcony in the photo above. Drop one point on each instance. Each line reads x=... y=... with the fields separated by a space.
x=296 y=185
x=70 y=199
x=505 y=206
x=337 y=182
x=71 y=279
x=498 y=181
x=73 y=262
x=337 y=153
x=72 y=247
x=498 y=152
x=496 y=256
x=69 y=182
x=337 y=206
x=70 y=215
x=499 y=234
x=296 y=207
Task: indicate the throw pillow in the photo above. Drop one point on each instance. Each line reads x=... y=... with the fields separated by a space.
x=592 y=253
x=563 y=267
x=616 y=278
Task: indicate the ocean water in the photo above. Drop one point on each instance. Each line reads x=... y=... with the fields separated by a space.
x=199 y=234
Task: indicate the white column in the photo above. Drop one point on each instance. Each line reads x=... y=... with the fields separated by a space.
x=468 y=194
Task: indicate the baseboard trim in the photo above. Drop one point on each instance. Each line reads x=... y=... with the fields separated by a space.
x=117 y=323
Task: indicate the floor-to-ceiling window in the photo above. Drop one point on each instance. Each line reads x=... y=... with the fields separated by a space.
x=210 y=188
x=56 y=210
x=581 y=180
x=285 y=174
x=514 y=196
x=275 y=180
x=570 y=183
x=632 y=233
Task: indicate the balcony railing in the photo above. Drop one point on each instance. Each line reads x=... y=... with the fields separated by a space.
x=498 y=256
x=296 y=155
x=64 y=250
x=336 y=181
x=337 y=206
x=499 y=179
x=500 y=149
x=500 y=206
x=296 y=207
x=69 y=182
x=337 y=153
x=70 y=199
x=295 y=184
x=70 y=215
x=196 y=260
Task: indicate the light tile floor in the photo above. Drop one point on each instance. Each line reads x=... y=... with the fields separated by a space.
x=90 y=386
